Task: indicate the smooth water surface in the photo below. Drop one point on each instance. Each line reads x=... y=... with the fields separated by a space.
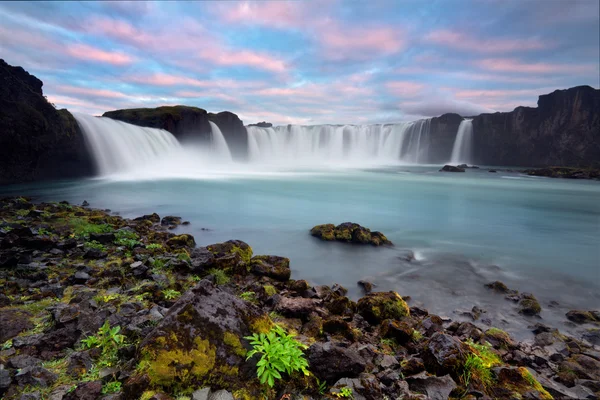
x=537 y=235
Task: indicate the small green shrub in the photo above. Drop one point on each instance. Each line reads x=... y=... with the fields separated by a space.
x=345 y=392
x=111 y=387
x=416 y=335
x=7 y=345
x=154 y=246
x=280 y=352
x=248 y=296
x=478 y=364
x=108 y=340
x=322 y=386
x=82 y=228
x=220 y=276
x=94 y=245
x=126 y=238
x=171 y=294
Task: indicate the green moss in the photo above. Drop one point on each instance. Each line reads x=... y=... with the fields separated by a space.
x=184 y=240
x=376 y=307
x=270 y=290
x=233 y=341
x=262 y=324
x=221 y=277
x=534 y=383
x=147 y=395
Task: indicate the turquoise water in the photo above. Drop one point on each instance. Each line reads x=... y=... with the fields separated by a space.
x=538 y=235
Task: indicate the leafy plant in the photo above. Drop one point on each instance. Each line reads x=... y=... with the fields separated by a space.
x=94 y=244
x=322 y=386
x=7 y=345
x=111 y=387
x=280 y=352
x=154 y=246
x=82 y=228
x=184 y=257
x=158 y=264
x=478 y=364
x=345 y=392
x=248 y=296
x=195 y=278
x=220 y=276
x=108 y=340
x=126 y=238
x=171 y=294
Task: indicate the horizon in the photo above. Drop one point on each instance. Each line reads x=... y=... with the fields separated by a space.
x=305 y=63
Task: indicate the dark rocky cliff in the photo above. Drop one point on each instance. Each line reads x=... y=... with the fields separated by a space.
x=37 y=142
x=188 y=123
x=563 y=130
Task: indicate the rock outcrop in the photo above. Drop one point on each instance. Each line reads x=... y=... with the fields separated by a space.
x=188 y=123
x=37 y=142
x=349 y=232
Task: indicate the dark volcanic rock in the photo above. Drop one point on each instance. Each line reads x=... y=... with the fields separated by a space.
x=436 y=388
x=581 y=317
x=330 y=362
x=262 y=125
x=444 y=354
x=37 y=142
x=13 y=322
x=451 y=168
x=272 y=266
x=349 y=232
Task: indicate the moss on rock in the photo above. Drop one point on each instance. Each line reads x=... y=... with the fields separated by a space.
x=180 y=241
x=378 y=306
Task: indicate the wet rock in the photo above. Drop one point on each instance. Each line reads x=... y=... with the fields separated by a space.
x=180 y=241
x=296 y=306
x=204 y=330
x=331 y=361
x=299 y=286
x=170 y=220
x=436 y=388
x=85 y=204
x=379 y=306
x=444 y=354
x=349 y=232
x=272 y=266
x=592 y=335
x=355 y=386
x=497 y=286
x=104 y=238
x=231 y=254
x=582 y=317
x=528 y=305
x=387 y=361
x=400 y=331
x=324 y=232
x=367 y=287
x=13 y=322
x=85 y=391
x=35 y=376
x=499 y=338
x=23 y=361
x=154 y=218
x=451 y=168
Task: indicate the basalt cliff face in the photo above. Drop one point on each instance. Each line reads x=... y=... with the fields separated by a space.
x=188 y=123
x=37 y=142
x=563 y=130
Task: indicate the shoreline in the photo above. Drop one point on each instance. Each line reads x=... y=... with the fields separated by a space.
x=86 y=267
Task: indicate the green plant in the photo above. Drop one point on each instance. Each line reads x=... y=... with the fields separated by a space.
x=94 y=245
x=184 y=257
x=82 y=228
x=154 y=246
x=158 y=264
x=322 y=386
x=22 y=213
x=126 y=238
x=195 y=278
x=270 y=290
x=7 y=345
x=106 y=298
x=478 y=364
x=45 y=232
x=416 y=335
x=111 y=387
x=221 y=277
x=280 y=352
x=345 y=392
x=108 y=340
x=171 y=294
x=248 y=296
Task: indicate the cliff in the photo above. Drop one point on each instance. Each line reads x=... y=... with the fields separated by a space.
x=563 y=130
x=188 y=123
x=37 y=142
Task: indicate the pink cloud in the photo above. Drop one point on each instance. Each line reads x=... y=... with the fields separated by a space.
x=89 y=92
x=405 y=88
x=461 y=41
x=226 y=57
x=89 y=53
x=160 y=79
x=340 y=42
x=513 y=65
x=280 y=14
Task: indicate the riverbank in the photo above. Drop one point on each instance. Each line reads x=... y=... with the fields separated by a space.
x=168 y=318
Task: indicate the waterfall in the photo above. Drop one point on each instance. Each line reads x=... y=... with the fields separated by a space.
x=354 y=144
x=218 y=143
x=461 y=152
x=118 y=146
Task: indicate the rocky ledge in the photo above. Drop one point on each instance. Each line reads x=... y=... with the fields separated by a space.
x=98 y=306
x=565 y=172
x=349 y=232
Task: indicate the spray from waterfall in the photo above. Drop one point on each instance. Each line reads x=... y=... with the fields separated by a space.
x=218 y=142
x=462 y=150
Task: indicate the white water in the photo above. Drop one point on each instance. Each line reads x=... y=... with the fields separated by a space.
x=461 y=152
x=218 y=143
x=118 y=146
x=295 y=145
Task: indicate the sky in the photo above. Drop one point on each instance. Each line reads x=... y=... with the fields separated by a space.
x=305 y=62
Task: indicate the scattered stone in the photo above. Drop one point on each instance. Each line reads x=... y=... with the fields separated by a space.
x=498 y=286
x=528 y=305
x=13 y=322
x=367 y=287
x=170 y=220
x=331 y=362
x=35 y=376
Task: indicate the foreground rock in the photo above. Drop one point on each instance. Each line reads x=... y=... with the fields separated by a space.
x=155 y=317
x=349 y=232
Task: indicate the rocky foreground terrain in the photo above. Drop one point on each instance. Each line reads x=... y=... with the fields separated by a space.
x=94 y=305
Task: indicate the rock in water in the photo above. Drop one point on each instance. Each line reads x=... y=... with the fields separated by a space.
x=451 y=168
x=349 y=232
x=200 y=340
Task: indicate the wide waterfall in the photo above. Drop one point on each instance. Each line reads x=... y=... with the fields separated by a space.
x=461 y=152
x=118 y=146
x=218 y=142
x=347 y=144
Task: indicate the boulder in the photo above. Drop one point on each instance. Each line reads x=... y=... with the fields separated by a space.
x=85 y=391
x=201 y=340
x=296 y=306
x=154 y=218
x=451 y=168
x=13 y=322
x=378 y=306
x=170 y=220
x=272 y=266
x=400 y=331
x=324 y=232
x=528 y=305
x=436 y=388
x=331 y=361
x=231 y=247
x=445 y=354
x=181 y=241
x=582 y=317
x=349 y=232
x=35 y=376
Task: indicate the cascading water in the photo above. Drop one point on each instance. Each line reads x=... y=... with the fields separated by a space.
x=218 y=142
x=461 y=152
x=118 y=146
x=355 y=144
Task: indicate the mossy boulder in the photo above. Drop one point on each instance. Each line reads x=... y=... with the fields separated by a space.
x=229 y=247
x=400 y=331
x=445 y=354
x=528 y=305
x=272 y=266
x=349 y=232
x=378 y=306
x=200 y=341
x=185 y=240
x=582 y=317
x=324 y=232
x=499 y=338
x=517 y=383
